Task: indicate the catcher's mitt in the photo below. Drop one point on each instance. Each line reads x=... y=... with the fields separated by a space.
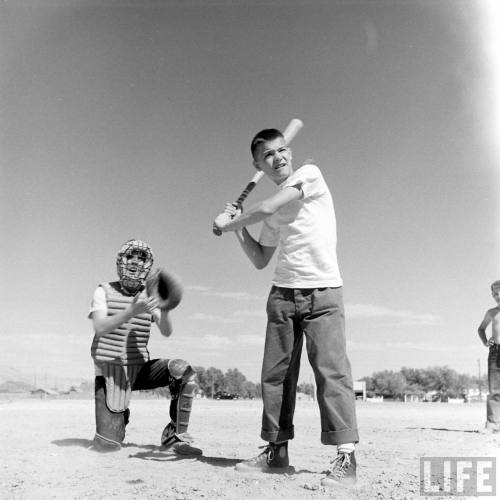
x=165 y=287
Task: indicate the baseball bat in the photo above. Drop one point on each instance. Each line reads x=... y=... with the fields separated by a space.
x=292 y=129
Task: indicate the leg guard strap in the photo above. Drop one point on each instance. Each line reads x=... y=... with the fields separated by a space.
x=104 y=444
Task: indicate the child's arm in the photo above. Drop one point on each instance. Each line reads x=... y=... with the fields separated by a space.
x=482 y=328
x=162 y=320
x=104 y=324
x=263 y=209
x=258 y=254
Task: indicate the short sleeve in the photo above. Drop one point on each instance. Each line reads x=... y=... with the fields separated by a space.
x=98 y=301
x=310 y=180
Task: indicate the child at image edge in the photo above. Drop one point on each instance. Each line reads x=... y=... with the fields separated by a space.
x=493 y=344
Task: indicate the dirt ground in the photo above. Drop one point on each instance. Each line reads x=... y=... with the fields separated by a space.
x=45 y=451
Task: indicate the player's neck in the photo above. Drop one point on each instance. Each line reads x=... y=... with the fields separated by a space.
x=279 y=182
x=127 y=289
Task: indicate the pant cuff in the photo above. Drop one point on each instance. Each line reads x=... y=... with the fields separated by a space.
x=340 y=437
x=279 y=435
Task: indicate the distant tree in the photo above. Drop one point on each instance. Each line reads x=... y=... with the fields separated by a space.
x=386 y=383
x=416 y=379
x=209 y=381
x=201 y=379
x=234 y=381
x=251 y=390
x=445 y=381
x=440 y=379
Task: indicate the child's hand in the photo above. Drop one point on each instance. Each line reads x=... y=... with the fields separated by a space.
x=224 y=218
x=233 y=211
x=490 y=342
x=142 y=304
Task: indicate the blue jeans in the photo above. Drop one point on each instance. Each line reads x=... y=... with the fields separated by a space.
x=493 y=401
x=317 y=314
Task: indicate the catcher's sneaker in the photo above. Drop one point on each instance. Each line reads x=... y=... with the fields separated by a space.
x=274 y=458
x=179 y=443
x=343 y=471
x=185 y=448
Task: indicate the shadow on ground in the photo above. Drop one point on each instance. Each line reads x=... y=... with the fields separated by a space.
x=441 y=429
x=159 y=454
x=83 y=443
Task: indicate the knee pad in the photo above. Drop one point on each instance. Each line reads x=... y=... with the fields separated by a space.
x=181 y=370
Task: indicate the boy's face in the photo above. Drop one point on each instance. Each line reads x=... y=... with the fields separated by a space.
x=495 y=292
x=135 y=263
x=274 y=158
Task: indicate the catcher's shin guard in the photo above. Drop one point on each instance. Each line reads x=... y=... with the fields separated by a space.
x=184 y=405
x=182 y=390
x=110 y=426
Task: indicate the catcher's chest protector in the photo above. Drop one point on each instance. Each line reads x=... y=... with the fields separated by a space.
x=122 y=352
x=127 y=345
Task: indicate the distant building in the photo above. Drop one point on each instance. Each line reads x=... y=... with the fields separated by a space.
x=474 y=394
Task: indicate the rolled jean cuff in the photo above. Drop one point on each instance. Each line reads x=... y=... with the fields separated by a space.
x=340 y=437
x=280 y=435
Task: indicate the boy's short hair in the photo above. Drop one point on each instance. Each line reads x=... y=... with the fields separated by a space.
x=495 y=284
x=268 y=134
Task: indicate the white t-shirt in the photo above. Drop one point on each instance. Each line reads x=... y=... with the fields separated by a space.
x=306 y=233
x=98 y=301
x=98 y=304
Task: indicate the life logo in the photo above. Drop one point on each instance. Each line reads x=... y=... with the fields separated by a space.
x=458 y=476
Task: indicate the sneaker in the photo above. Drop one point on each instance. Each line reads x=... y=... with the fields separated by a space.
x=168 y=435
x=343 y=471
x=274 y=456
x=185 y=448
x=179 y=443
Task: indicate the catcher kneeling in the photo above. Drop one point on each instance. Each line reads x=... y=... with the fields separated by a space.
x=122 y=313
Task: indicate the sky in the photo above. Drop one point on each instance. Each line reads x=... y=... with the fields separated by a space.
x=132 y=119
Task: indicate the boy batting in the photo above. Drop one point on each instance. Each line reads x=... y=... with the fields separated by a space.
x=305 y=301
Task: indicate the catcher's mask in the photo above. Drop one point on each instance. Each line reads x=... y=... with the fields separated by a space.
x=134 y=271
